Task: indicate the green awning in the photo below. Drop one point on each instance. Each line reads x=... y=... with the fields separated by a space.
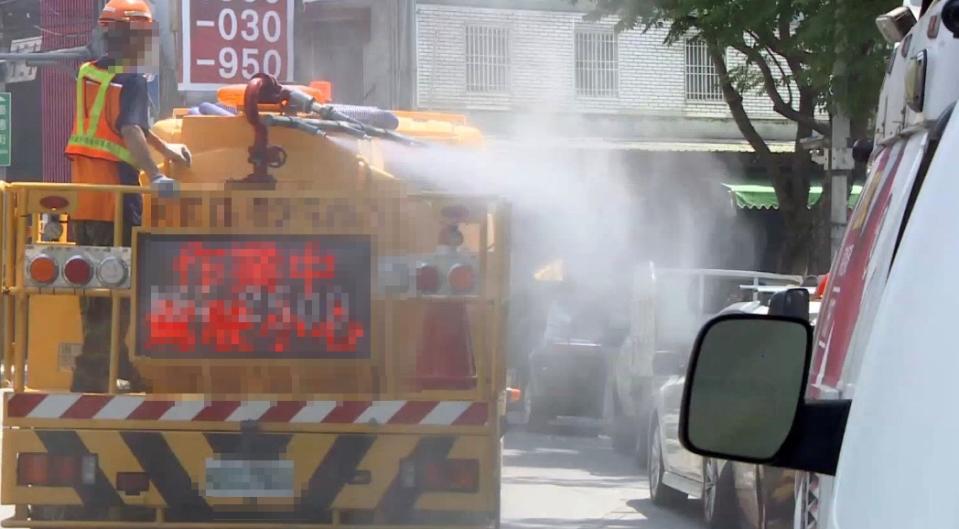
x=764 y=197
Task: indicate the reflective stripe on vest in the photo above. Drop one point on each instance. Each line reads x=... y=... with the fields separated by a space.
x=85 y=134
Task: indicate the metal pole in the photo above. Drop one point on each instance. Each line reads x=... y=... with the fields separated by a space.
x=842 y=166
x=3 y=88
x=115 y=337
x=21 y=305
x=841 y=161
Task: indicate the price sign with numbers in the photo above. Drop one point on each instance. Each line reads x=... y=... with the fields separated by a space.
x=230 y=41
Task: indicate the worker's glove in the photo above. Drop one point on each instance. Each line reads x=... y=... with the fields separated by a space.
x=165 y=186
x=52 y=229
x=180 y=154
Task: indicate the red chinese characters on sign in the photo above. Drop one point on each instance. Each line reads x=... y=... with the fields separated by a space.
x=230 y=41
x=254 y=298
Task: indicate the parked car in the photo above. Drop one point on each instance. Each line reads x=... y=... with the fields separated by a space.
x=567 y=369
x=666 y=308
x=732 y=494
x=864 y=406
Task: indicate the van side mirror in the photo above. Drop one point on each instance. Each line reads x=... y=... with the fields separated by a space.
x=744 y=396
x=793 y=303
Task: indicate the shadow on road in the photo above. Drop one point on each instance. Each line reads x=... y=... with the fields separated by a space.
x=688 y=511
x=625 y=481
x=584 y=523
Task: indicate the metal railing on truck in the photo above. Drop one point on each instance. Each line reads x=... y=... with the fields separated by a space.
x=755 y=279
x=209 y=210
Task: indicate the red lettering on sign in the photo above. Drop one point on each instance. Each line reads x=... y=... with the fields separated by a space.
x=253 y=296
x=170 y=324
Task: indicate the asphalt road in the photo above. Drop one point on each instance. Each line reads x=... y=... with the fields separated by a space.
x=575 y=481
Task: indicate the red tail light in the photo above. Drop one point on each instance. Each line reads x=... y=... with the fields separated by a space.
x=65 y=470
x=133 y=483
x=43 y=269
x=454 y=475
x=427 y=279
x=33 y=469
x=48 y=470
x=462 y=279
x=78 y=271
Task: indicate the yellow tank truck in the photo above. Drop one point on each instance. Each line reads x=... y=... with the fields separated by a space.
x=323 y=342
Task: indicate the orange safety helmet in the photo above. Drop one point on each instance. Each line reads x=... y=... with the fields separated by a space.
x=136 y=13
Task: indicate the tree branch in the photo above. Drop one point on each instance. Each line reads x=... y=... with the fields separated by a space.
x=734 y=100
x=794 y=56
x=779 y=105
x=779 y=66
x=785 y=33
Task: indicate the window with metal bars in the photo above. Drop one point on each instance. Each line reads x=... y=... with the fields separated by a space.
x=597 y=63
x=702 y=81
x=487 y=59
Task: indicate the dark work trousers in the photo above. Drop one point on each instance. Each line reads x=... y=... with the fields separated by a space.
x=93 y=364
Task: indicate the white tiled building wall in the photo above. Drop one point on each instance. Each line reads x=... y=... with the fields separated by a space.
x=542 y=66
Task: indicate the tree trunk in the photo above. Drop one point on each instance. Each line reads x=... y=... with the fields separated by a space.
x=792 y=191
x=811 y=246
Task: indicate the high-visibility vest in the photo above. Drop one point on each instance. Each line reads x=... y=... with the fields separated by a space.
x=93 y=134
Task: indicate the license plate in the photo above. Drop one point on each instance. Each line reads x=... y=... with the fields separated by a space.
x=231 y=478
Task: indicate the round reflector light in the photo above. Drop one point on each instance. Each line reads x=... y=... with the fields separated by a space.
x=427 y=279
x=54 y=202
x=43 y=269
x=461 y=278
x=112 y=272
x=78 y=271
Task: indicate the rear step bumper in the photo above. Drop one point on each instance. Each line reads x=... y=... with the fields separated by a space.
x=29 y=524
x=266 y=479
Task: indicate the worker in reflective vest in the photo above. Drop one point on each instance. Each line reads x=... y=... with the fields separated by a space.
x=110 y=145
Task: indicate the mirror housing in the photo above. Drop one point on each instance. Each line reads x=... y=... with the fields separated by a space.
x=950 y=17
x=895 y=24
x=793 y=303
x=744 y=396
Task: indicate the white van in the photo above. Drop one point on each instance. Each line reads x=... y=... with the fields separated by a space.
x=882 y=366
